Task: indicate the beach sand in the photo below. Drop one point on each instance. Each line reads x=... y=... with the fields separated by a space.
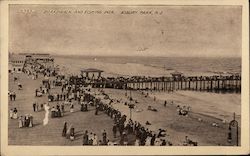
x=167 y=117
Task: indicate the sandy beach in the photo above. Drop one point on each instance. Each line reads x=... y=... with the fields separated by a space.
x=177 y=126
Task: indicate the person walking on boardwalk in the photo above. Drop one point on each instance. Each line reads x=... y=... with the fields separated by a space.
x=114 y=130
x=15 y=113
x=30 y=120
x=104 y=137
x=14 y=96
x=20 y=123
x=68 y=132
x=11 y=96
x=11 y=113
x=34 y=106
x=95 y=140
x=86 y=138
x=64 y=129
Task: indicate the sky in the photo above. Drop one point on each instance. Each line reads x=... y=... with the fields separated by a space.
x=196 y=31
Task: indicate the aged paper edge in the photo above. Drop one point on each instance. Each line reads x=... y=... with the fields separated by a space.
x=80 y=150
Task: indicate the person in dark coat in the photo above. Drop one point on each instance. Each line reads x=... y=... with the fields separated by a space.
x=86 y=138
x=64 y=129
x=34 y=106
x=82 y=108
x=104 y=137
x=152 y=142
x=114 y=130
x=14 y=96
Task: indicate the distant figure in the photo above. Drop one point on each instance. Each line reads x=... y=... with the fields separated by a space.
x=19 y=86
x=34 y=106
x=114 y=130
x=46 y=118
x=30 y=120
x=86 y=138
x=72 y=108
x=72 y=134
x=20 y=123
x=95 y=140
x=11 y=113
x=68 y=132
x=104 y=137
x=64 y=129
x=14 y=96
x=15 y=116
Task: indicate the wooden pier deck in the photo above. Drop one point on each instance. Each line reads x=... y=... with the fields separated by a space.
x=210 y=84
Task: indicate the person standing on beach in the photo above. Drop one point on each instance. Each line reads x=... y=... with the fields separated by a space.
x=72 y=134
x=72 y=108
x=37 y=107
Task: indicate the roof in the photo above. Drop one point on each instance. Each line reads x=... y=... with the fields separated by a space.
x=176 y=73
x=17 y=58
x=91 y=70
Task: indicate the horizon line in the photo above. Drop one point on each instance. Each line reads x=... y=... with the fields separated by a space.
x=95 y=55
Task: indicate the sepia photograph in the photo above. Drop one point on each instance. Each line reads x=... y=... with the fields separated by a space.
x=124 y=75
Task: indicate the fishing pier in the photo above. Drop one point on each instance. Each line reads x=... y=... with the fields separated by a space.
x=203 y=83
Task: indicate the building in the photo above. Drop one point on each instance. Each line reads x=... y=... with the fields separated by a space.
x=43 y=59
x=16 y=63
x=91 y=73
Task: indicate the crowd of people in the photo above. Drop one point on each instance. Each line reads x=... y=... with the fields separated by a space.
x=13 y=113
x=25 y=121
x=12 y=96
x=183 y=110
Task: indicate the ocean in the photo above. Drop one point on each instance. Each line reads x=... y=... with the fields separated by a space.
x=156 y=66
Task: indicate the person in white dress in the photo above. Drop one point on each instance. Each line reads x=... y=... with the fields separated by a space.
x=11 y=113
x=95 y=140
x=15 y=116
x=148 y=141
x=20 y=122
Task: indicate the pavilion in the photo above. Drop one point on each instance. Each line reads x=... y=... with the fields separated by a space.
x=176 y=74
x=91 y=73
